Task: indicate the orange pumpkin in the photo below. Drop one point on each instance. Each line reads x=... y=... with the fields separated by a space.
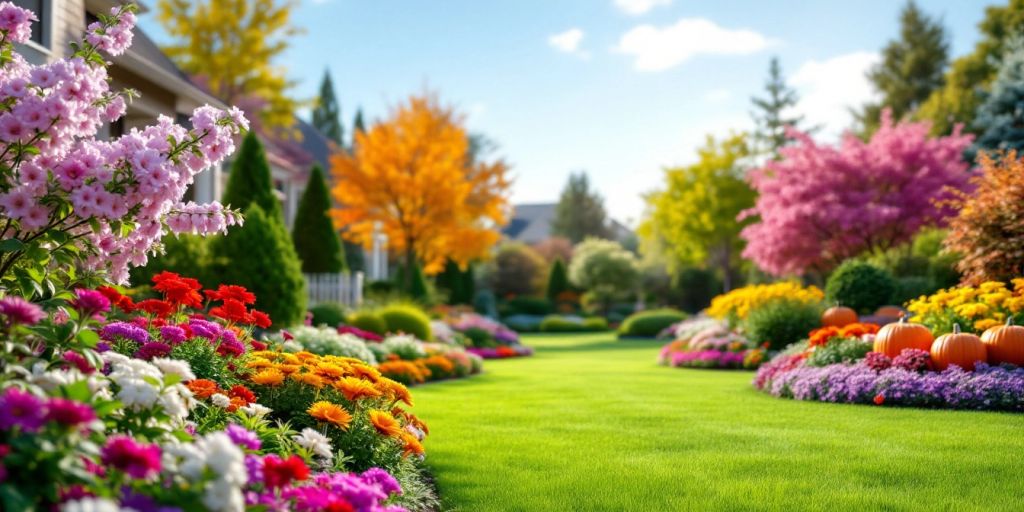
x=838 y=316
x=959 y=348
x=890 y=312
x=895 y=337
x=1005 y=343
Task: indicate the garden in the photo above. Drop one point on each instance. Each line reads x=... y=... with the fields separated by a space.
x=762 y=341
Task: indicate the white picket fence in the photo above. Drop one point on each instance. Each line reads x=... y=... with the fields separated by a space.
x=342 y=287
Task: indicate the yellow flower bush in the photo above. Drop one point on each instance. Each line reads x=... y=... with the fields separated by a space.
x=975 y=308
x=737 y=304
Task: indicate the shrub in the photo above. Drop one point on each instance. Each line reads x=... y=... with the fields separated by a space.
x=485 y=303
x=558 y=280
x=327 y=341
x=250 y=180
x=738 y=303
x=781 y=322
x=480 y=338
x=910 y=288
x=605 y=269
x=861 y=286
x=519 y=270
x=561 y=323
x=650 y=323
x=527 y=306
x=693 y=288
x=595 y=324
x=260 y=256
x=403 y=346
x=187 y=255
x=523 y=323
x=845 y=350
x=316 y=241
x=328 y=313
x=368 y=321
x=407 y=318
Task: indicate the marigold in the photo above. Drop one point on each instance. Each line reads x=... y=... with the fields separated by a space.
x=268 y=377
x=202 y=388
x=365 y=372
x=330 y=370
x=412 y=445
x=385 y=423
x=309 y=379
x=289 y=368
x=394 y=390
x=331 y=413
x=355 y=389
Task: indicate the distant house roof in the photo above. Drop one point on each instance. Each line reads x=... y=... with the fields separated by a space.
x=147 y=60
x=297 y=155
x=531 y=223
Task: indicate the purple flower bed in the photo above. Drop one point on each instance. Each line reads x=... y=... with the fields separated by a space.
x=987 y=388
x=501 y=352
x=707 y=359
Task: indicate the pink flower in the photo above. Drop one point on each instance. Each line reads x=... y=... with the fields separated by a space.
x=20 y=409
x=20 y=311
x=68 y=412
x=136 y=459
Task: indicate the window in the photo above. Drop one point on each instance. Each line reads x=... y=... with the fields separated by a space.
x=40 y=28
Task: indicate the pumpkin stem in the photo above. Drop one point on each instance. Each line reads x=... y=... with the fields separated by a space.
x=1009 y=321
x=956 y=328
x=903 y=318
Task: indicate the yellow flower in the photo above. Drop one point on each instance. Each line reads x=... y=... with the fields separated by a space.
x=330 y=370
x=331 y=413
x=385 y=423
x=309 y=379
x=394 y=390
x=268 y=377
x=981 y=325
x=355 y=389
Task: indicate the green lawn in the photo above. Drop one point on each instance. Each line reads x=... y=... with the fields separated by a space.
x=589 y=423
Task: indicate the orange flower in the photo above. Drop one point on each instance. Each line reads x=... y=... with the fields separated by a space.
x=268 y=377
x=259 y=363
x=331 y=413
x=309 y=379
x=288 y=368
x=365 y=372
x=412 y=445
x=202 y=388
x=355 y=389
x=395 y=390
x=330 y=370
x=385 y=423
x=236 y=402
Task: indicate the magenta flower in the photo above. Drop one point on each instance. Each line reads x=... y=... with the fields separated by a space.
x=172 y=334
x=153 y=349
x=242 y=437
x=69 y=412
x=79 y=361
x=136 y=459
x=21 y=409
x=20 y=311
x=90 y=302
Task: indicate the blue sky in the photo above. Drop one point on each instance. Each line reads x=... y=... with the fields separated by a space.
x=620 y=88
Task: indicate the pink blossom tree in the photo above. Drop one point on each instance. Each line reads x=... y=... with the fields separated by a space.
x=820 y=204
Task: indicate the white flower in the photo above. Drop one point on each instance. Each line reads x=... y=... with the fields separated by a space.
x=53 y=379
x=175 y=367
x=188 y=458
x=91 y=504
x=255 y=410
x=220 y=400
x=136 y=393
x=315 y=442
x=223 y=496
x=113 y=357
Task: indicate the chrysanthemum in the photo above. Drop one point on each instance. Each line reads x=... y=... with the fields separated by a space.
x=331 y=413
x=309 y=379
x=395 y=390
x=268 y=377
x=412 y=445
x=330 y=370
x=355 y=389
x=20 y=311
x=385 y=423
x=202 y=388
x=365 y=372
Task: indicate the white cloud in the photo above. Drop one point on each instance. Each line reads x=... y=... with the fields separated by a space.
x=718 y=95
x=658 y=49
x=829 y=88
x=569 y=42
x=638 y=7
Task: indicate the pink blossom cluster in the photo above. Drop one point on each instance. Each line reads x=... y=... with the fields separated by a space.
x=820 y=204
x=123 y=194
x=14 y=23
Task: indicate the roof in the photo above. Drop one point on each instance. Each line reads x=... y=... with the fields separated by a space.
x=147 y=60
x=530 y=223
x=298 y=155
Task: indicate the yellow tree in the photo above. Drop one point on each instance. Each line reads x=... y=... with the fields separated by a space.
x=415 y=175
x=230 y=46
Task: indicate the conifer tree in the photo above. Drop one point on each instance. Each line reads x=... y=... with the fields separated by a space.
x=770 y=114
x=250 y=180
x=1000 y=118
x=316 y=241
x=558 y=280
x=580 y=211
x=327 y=114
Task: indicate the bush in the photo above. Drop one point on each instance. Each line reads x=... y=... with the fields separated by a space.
x=781 y=322
x=650 y=323
x=327 y=341
x=485 y=304
x=912 y=287
x=519 y=270
x=187 y=255
x=527 y=306
x=328 y=313
x=480 y=338
x=595 y=324
x=260 y=256
x=560 y=323
x=693 y=288
x=523 y=323
x=368 y=321
x=558 y=280
x=407 y=318
x=861 y=286
x=846 y=350
x=316 y=241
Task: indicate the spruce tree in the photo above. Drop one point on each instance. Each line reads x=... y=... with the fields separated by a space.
x=260 y=256
x=580 y=211
x=558 y=280
x=357 y=126
x=1000 y=119
x=327 y=114
x=912 y=68
x=770 y=114
x=250 y=180
x=316 y=240
x=450 y=280
x=418 y=289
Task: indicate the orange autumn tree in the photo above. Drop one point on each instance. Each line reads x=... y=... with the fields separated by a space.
x=415 y=174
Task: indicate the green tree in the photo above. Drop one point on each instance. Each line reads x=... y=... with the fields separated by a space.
x=327 y=114
x=580 y=212
x=518 y=270
x=1001 y=118
x=457 y=282
x=260 y=256
x=250 y=181
x=558 y=280
x=605 y=269
x=316 y=241
x=912 y=68
x=187 y=255
x=358 y=126
x=958 y=99
x=694 y=218
x=770 y=112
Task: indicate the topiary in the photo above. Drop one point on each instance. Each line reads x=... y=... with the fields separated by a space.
x=780 y=322
x=250 y=179
x=650 y=323
x=368 y=321
x=861 y=286
x=595 y=324
x=328 y=313
x=527 y=306
x=316 y=241
x=407 y=318
x=558 y=280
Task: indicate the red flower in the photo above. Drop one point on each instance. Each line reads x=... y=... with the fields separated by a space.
x=279 y=473
x=879 y=399
x=256 y=345
x=157 y=308
x=232 y=311
x=231 y=292
x=339 y=506
x=240 y=391
x=122 y=302
x=287 y=335
x=182 y=291
x=261 y=319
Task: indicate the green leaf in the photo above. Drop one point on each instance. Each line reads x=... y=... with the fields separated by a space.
x=88 y=338
x=77 y=391
x=11 y=245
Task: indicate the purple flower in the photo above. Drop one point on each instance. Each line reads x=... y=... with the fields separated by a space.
x=877 y=361
x=242 y=437
x=69 y=412
x=153 y=349
x=172 y=334
x=136 y=459
x=90 y=302
x=382 y=479
x=254 y=467
x=205 y=329
x=20 y=311
x=123 y=330
x=143 y=503
x=21 y=409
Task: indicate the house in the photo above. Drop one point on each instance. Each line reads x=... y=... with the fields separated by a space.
x=531 y=224
x=166 y=89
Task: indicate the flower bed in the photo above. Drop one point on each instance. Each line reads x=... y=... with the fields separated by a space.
x=501 y=352
x=482 y=336
x=709 y=343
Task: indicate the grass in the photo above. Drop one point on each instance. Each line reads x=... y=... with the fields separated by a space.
x=590 y=423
